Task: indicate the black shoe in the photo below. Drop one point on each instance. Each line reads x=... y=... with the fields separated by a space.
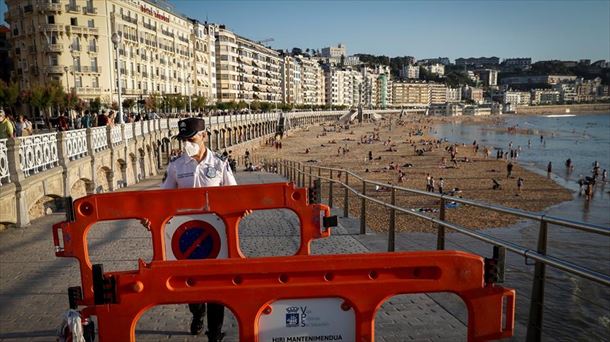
x=216 y=337
x=196 y=325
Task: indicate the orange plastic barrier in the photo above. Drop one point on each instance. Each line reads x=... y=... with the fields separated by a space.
x=252 y=287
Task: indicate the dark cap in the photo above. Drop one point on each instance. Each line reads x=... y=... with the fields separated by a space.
x=189 y=127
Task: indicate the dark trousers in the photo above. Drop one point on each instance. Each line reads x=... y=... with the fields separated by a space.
x=216 y=314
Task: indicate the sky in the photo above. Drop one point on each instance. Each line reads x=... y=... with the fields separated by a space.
x=542 y=30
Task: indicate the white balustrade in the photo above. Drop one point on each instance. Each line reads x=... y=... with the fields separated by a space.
x=128 y=131
x=137 y=128
x=145 y=127
x=115 y=135
x=38 y=153
x=5 y=177
x=75 y=143
x=99 y=138
x=163 y=123
x=173 y=123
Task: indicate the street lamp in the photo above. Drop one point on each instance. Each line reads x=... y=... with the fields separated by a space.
x=188 y=83
x=116 y=40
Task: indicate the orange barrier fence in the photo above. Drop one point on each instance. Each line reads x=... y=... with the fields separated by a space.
x=273 y=298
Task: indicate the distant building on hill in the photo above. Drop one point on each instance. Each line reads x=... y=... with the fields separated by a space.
x=477 y=61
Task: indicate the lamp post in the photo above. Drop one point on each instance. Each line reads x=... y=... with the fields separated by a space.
x=188 y=83
x=116 y=40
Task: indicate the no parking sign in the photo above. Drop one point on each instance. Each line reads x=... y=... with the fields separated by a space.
x=195 y=237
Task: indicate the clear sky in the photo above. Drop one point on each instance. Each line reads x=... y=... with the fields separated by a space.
x=567 y=30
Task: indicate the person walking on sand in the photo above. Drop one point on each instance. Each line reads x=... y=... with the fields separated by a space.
x=549 y=169
x=441 y=184
x=519 y=185
x=509 y=169
x=428 y=182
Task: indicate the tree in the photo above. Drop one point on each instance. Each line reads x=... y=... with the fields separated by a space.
x=95 y=105
x=9 y=95
x=128 y=104
x=255 y=106
x=199 y=102
x=151 y=102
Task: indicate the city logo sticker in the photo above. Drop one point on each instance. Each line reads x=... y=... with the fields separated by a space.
x=292 y=317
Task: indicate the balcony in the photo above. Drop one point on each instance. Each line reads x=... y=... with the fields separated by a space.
x=167 y=33
x=73 y=8
x=89 y=10
x=52 y=28
x=54 y=48
x=90 y=69
x=76 y=29
x=129 y=19
x=150 y=27
x=83 y=90
x=50 y=7
x=55 y=69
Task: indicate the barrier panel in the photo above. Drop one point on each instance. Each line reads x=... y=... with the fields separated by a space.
x=295 y=298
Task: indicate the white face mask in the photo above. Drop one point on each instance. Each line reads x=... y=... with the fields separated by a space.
x=191 y=148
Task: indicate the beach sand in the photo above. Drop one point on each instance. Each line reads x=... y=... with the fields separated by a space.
x=473 y=178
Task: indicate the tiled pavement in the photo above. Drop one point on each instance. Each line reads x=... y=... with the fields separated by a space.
x=33 y=281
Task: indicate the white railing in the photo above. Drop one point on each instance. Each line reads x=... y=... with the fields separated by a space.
x=137 y=128
x=163 y=124
x=99 y=138
x=145 y=126
x=75 y=143
x=38 y=153
x=5 y=177
x=115 y=135
x=173 y=123
x=128 y=131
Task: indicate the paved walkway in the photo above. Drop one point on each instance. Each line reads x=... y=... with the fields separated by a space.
x=33 y=282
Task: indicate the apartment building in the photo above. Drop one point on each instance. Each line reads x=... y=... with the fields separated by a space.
x=292 y=81
x=246 y=70
x=312 y=81
x=416 y=93
x=437 y=69
x=489 y=77
x=409 y=72
x=454 y=94
x=472 y=94
x=438 y=93
x=545 y=96
x=71 y=42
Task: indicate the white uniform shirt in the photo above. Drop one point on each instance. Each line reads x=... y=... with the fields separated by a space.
x=186 y=172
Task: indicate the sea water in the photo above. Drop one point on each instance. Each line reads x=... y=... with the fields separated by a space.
x=575 y=308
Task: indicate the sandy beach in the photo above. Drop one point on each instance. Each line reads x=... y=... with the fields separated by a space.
x=393 y=145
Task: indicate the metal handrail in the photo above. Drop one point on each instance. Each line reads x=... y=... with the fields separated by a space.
x=591 y=228
x=296 y=171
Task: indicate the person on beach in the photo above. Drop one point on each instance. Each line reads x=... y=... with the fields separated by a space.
x=604 y=175
x=428 y=182
x=509 y=169
x=519 y=185
x=549 y=169
x=441 y=184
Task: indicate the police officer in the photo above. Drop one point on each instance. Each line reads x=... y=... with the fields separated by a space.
x=199 y=167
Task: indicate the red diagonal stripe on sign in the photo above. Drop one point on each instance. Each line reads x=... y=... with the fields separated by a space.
x=194 y=246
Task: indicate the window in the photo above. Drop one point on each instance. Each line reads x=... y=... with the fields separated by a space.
x=76 y=63
x=51 y=19
x=53 y=60
x=75 y=44
x=91 y=23
x=95 y=83
x=78 y=82
x=74 y=21
x=94 y=64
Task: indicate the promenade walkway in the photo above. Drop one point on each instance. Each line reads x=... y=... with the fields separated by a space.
x=33 y=282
